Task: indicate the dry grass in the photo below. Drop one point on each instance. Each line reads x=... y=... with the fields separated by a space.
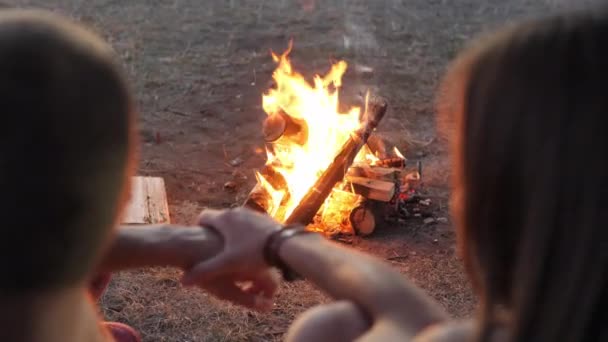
x=198 y=69
x=153 y=301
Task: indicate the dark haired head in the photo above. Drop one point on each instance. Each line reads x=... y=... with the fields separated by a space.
x=530 y=112
x=64 y=145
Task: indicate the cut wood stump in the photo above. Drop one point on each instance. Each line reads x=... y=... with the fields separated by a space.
x=362 y=219
x=148 y=203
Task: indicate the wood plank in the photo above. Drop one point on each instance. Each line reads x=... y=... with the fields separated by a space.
x=390 y=174
x=148 y=203
x=372 y=188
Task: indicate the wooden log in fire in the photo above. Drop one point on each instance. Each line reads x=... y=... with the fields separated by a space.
x=373 y=189
x=316 y=195
x=391 y=174
x=377 y=147
x=362 y=218
x=259 y=199
x=282 y=125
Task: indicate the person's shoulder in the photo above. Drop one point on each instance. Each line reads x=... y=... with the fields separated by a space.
x=452 y=331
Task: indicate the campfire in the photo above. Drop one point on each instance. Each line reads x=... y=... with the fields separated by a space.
x=324 y=167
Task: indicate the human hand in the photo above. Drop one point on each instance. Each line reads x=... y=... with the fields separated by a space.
x=239 y=272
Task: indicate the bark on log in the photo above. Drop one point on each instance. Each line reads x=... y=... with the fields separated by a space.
x=362 y=219
x=316 y=195
x=377 y=146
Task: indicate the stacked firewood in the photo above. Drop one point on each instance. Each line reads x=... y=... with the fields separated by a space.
x=384 y=188
x=374 y=187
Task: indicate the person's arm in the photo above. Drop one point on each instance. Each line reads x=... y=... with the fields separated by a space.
x=159 y=245
x=183 y=247
x=377 y=289
x=391 y=304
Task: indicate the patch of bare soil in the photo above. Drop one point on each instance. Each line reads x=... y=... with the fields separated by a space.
x=199 y=69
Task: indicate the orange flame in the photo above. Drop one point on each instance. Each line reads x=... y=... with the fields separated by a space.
x=398 y=153
x=301 y=163
x=366 y=156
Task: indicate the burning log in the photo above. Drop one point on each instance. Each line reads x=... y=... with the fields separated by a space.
x=313 y=142
x=362 y=219
x=308 y=207
x=373 y=189
x=282 y=125
x=377 y=146
x=259 y=198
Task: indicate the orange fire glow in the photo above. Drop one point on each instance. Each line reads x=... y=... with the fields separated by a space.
x=302 y=160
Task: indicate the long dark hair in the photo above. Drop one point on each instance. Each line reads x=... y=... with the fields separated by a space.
x=530 y=112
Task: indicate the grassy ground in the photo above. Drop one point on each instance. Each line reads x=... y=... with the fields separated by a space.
x=199 y=69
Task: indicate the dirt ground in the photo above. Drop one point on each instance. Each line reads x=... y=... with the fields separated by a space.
x=199 y=69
